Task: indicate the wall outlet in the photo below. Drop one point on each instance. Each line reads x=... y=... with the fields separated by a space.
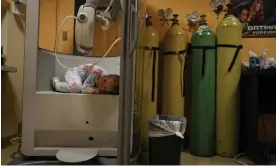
x=64 y=35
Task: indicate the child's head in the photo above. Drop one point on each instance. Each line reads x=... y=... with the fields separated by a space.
x=109 y=84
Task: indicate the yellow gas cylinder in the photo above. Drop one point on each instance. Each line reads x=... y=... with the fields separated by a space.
x=173 y=62
x=165 y=25
x=229 y=40
x=149 y=77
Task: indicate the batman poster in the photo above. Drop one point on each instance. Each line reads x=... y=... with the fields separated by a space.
x=258 y=17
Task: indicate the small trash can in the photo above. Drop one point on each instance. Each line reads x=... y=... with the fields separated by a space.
x=165 y=139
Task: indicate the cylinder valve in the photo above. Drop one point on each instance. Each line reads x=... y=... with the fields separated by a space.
x=203 y=20
x=148 y=19
x=174 y=19
x=229 y=9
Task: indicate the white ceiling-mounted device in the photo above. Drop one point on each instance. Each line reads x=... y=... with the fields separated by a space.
x=90 y=13
x=15 y=6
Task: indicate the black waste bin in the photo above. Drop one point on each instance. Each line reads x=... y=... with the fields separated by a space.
x=165 y=139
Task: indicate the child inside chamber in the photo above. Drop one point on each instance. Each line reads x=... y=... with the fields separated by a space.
x=87 y=79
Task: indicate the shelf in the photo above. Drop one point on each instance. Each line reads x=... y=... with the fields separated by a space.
x=8 y=69
x=251 y=72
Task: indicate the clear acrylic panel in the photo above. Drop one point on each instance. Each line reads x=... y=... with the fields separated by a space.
x=73 y=120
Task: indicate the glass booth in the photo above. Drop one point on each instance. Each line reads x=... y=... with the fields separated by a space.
x=53 y=120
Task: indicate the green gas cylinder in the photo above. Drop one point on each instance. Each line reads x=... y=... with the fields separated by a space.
x=203 y=55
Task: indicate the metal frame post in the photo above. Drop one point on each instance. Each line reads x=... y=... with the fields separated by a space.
x=30 y=61
x=125 y=103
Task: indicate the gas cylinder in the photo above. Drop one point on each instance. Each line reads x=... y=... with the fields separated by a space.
x=203 y=54
x=149 y=77
x=173 y=62
x=164 y=18
x=229 y=40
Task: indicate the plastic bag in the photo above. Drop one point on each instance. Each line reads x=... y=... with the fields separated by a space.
x=160 y=126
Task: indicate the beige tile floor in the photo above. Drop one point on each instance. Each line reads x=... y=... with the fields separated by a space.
x=186 y=158
x=6 y=154
x=189 y=159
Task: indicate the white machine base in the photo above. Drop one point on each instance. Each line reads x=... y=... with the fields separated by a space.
x=76 y=155
x=54 y=121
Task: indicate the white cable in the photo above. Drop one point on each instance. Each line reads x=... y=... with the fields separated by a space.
x=107 y=9
x=57 y=40
x=105 y=22
x=117 y=40
x=39 y=162
x=236 y=159
x=109 y=6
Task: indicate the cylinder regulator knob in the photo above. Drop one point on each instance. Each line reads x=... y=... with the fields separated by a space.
x=203 y=20
x=203 y=16
x=148 y=19
x=229 y=6
x=174 y=19
x=229 y=9
x=175 y=16
x=220 y=7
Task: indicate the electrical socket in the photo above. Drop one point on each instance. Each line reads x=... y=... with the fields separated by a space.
x=64 y=35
